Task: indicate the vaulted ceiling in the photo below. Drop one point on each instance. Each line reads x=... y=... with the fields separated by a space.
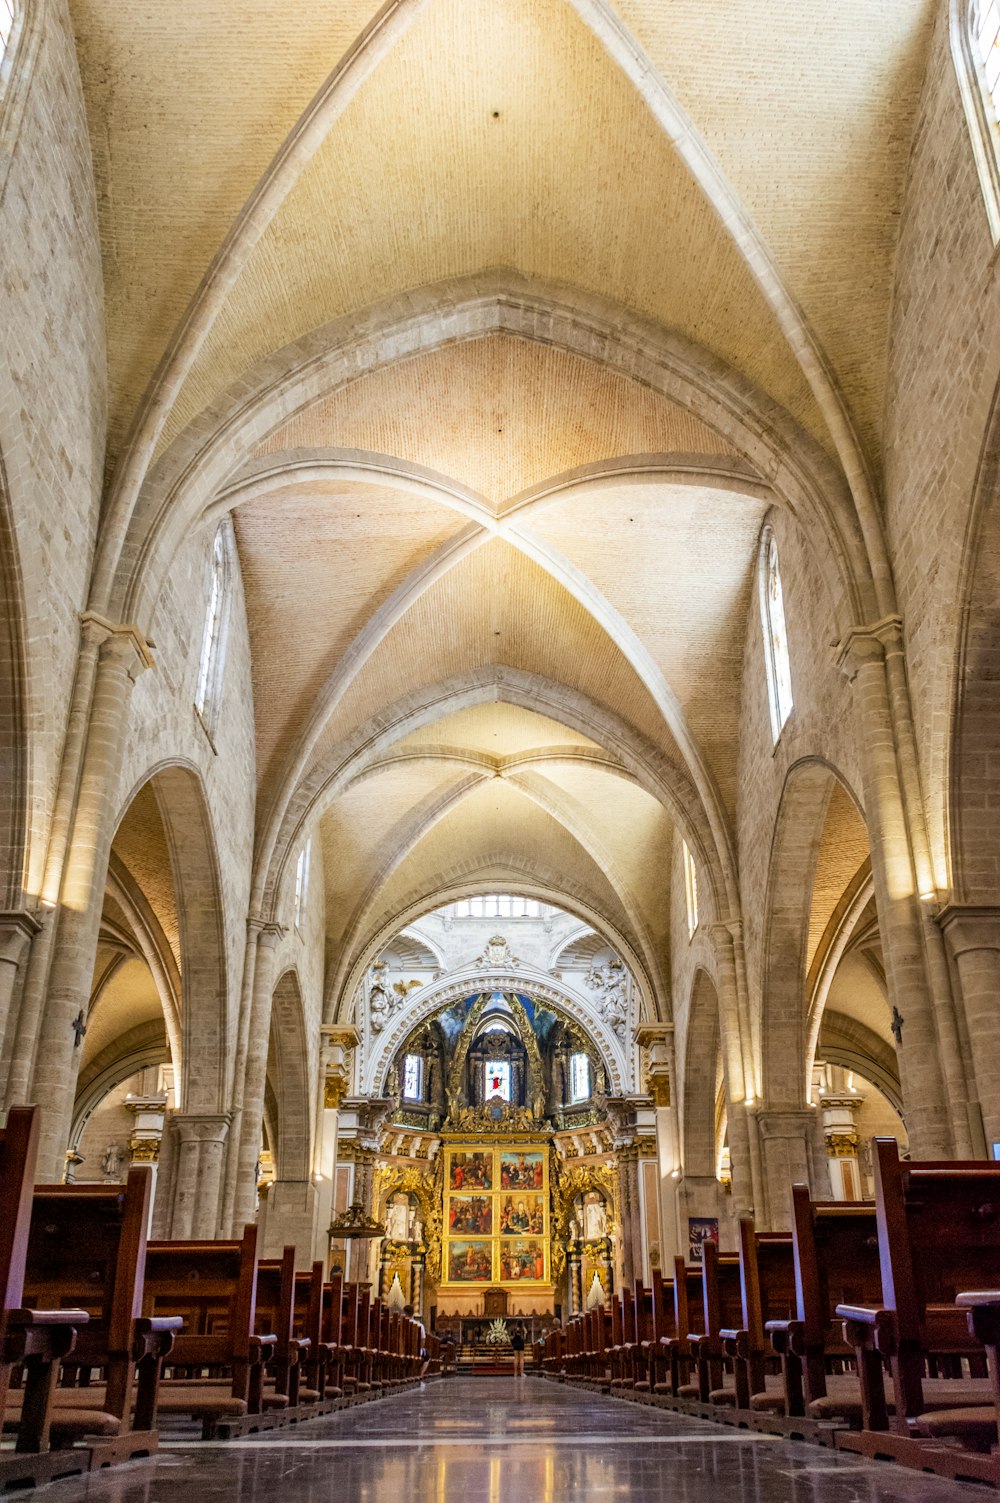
x=498 y=591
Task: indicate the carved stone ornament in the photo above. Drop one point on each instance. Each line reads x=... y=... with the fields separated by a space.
x=611 y=982
x=497 y=954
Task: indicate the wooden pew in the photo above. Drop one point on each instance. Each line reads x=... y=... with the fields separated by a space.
x=275 y=1313
x=87 y=1249
x=662 y=1331
x=767 y=1294
x=835 y=1247
x=673 y=1360
x=307 y=1326
x=939 y=1235
x=217 y=1361
x=722 y=1310
x=332 y=1326
x=32 y=1340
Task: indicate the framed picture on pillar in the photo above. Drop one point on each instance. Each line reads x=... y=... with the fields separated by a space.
x=701 y=1229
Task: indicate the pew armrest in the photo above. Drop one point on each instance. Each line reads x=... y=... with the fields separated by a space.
x=154 y=1335
x=735 y=1343
x=982 y=1307
x=43 y=1334
x=868 y=1326
x=787 y=1336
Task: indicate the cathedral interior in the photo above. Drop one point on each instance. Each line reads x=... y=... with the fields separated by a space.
x=499 y=564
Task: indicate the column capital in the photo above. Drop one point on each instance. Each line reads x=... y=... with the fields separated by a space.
x=118 y=637
x=785 y=1122
x=269 y=936
x=339 y=1035
x=17 y=928
x=970 y=926
x=201 y=1127
x=869 y=643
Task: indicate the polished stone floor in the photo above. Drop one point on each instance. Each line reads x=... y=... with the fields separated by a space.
x=499 y=1440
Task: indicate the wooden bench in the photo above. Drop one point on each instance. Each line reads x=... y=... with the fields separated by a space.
x=722 y=1309
x=33 y=1341
x=939 y=1236
x=835 y=1249
x=218 y=1359
x=307 y=1326
x=767 y=1294
x=87 y=1249
x=275 y=1314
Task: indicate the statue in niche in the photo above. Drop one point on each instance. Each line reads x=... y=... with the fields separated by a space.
x=595 y=1217
x=380 y=999
x=113 y=1161
x=416 y=1225
x=611 y=981
x=397 y=1219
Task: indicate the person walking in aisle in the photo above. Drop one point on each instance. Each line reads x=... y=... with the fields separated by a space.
x=517 y=1345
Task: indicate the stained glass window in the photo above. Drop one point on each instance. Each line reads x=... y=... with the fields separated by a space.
x=690 y=890
x=6 y=24
x=772 y=609
x=497 y=1079
x=579 y=1077
x=413 y=1077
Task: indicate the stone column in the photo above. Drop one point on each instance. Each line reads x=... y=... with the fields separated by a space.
x=631 y=1217
x=122 y=655
x=146 y=1136
x=740 y=1092
x=200 y=1144
x=972 y=935
x=928 y=1048
x=17 y=930
x=658 y=1040
x=842 y=1140
x=785 y=1140
x=336 y=1072
x=254 y=1080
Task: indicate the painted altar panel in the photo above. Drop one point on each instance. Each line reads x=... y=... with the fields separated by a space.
x=496 y=1215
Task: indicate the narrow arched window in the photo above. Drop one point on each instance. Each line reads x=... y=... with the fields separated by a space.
x=302 y=882
x=413 y=1077
x=772 y=613
x=579 y=1077
x=690 y=890
x=8 y=16
x=975 y=48
x=213 y=640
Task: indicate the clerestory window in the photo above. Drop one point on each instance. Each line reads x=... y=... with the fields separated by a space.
x=690 y=890
x=8 y=16
x=213 y=641
x=975 y=47
x=772 y=612
x=302 y=882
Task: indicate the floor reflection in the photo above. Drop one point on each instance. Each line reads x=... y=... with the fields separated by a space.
x=501 y=1442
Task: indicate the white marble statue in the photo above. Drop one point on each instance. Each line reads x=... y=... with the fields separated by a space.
x=380 y=998
x=595 y=1218
x=113 y=1161
x=611 y=981
x=397 y=1219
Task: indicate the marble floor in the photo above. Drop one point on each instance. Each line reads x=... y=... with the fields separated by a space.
x=499 y=1440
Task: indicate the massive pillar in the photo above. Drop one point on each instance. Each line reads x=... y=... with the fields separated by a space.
x=928 y=1046
x=786 y=1138
x=55 y=1013
x=737 y=1069
x=972 y=935
x=17 y=930
x=658 y=1040
x=245 y=1150
x=336 y=1076
x=200 y=1140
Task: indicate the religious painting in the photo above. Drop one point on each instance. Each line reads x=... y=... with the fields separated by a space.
x=522 y=1171
x=522 y=1260
x=470 y=1262
x=471 y=1215
x=471 y=1171
x=521 y=1215
x=701 y=1229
